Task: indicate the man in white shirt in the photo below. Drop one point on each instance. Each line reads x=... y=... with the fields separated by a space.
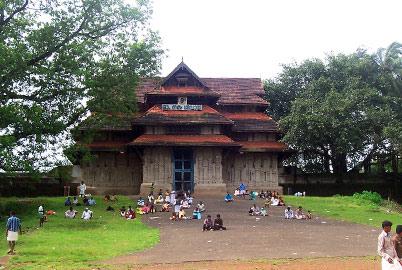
x=385 y=247
x=87 y=214
x=83 y=188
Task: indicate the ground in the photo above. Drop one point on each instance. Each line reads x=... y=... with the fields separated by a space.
x=251 y=238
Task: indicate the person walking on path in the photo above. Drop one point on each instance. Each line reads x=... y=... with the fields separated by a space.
x=13 y=227
x=386 y=248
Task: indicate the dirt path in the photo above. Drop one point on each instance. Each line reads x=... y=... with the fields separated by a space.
x=299 y=264
x=249 y=238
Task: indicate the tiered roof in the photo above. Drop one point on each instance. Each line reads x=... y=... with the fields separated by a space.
x=252 y=122
x=262 y=146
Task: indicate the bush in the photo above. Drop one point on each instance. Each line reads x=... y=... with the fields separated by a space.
x=371 y=196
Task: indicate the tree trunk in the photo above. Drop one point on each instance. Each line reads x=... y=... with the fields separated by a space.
x=340 y=167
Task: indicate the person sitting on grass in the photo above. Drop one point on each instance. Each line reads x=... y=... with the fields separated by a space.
x=91 y=201
x=289 y=213
x=140 y=202
x=182 y=213
x=75 y=201
x=309 y=215
x=196 y=213
x=218 y=223
x=67 y=202
x=85 y=200
x=87 y=214
x=228 y=198
x=71 y=213
x=208 y=224
x=123 y=211
x=299 y=213
x=254 y=210
x=201 y=206
x=130 y=213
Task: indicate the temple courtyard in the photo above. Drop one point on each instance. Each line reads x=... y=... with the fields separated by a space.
x=251 y=238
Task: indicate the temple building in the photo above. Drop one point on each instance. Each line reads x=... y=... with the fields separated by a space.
x=206 y=135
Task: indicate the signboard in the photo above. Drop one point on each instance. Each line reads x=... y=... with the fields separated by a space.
x=179 y=107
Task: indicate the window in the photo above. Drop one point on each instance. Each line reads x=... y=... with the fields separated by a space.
x=190 y=130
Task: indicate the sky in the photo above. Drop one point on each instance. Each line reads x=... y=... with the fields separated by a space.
x=233 y=38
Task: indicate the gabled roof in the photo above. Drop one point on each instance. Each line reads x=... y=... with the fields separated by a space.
x=155 y=115
x=183 y=67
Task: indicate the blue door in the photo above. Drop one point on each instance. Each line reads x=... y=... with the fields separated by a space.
x=183 y=170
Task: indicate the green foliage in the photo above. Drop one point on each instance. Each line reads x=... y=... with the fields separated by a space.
x=60 y=60
x=338 y=113
x=369 y=196
x=73 y=243
x=346 y=208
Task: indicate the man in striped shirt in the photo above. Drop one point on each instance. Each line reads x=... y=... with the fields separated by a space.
x=12 y=228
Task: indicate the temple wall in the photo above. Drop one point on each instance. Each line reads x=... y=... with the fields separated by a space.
x=113 y=172
x=208 y=170
x=256 y=170
x=157 y=168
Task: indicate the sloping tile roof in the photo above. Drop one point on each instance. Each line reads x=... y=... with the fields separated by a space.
x=117 y=123
x=156 y=115
x=247 y=116
x=262 y=146
x=192 y=91
x=232 y=90
x=245 y=125
x=185 y=140
x=107 y=145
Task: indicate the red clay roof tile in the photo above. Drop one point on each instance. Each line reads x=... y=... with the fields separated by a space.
x=205 y=140
x=263 y=145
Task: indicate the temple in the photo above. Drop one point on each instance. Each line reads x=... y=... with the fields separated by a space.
x=206 y=135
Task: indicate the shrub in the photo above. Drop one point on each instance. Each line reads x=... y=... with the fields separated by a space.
x=371 y=196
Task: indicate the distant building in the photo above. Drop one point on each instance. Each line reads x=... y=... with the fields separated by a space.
x=191 y=133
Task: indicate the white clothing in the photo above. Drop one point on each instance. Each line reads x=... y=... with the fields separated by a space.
x=385 y=265
x=40 y=210
x=83 y=187
x=237 y=192
x=69 y=214
x=289 y=214
x=12 y=236
x=86 y=215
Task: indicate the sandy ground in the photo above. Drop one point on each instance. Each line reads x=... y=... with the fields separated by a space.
x=251 y=238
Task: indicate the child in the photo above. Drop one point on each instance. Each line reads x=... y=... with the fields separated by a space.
x=228 y=198
x=208 y=225
x=201 y=206
x=182 y=214
x=309 y=215
x=130 y=213
x=299 y=213
x=140 y=202
x=289 y=213
x=196 y=213
x=218 y=223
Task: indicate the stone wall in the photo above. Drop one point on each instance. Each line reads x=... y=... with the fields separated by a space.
x=112 y=172
x=256 y=170
x=157 y=168
x=208 y=170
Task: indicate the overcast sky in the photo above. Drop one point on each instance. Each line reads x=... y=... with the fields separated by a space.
x=232 y=38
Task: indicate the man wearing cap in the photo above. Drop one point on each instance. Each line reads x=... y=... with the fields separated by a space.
x=12 y=228
x=87 y=214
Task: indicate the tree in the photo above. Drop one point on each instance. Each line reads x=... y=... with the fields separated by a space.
x=61 y=59
x=338 y=117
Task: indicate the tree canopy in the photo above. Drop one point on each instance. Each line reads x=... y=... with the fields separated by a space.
x=339 y=112
x=61 y=59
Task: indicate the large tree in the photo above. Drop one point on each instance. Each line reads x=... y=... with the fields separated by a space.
x=339 y=113
x=61 y=59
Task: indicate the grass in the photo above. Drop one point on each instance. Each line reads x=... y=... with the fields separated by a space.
x=73 y=243
x=348 y=208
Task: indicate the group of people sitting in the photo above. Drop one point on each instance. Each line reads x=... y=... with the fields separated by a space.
x=71 y=213
x=179 y=212
x=128 y=213
x=257 y=211
x=87 y=200
x=298 y=214
x=216 y=225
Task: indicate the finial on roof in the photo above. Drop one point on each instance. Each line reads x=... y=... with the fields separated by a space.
x=182 y=59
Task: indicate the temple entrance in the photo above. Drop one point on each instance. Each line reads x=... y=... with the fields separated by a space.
x=183 y=167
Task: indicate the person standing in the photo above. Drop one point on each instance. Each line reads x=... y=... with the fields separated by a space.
x=13 y=227
x=83 y=188
x=397 y=242
x=385 y=247
x=42 y=216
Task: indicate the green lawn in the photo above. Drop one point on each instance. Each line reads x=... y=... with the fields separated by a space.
x=347 y=208
x=73 y=243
